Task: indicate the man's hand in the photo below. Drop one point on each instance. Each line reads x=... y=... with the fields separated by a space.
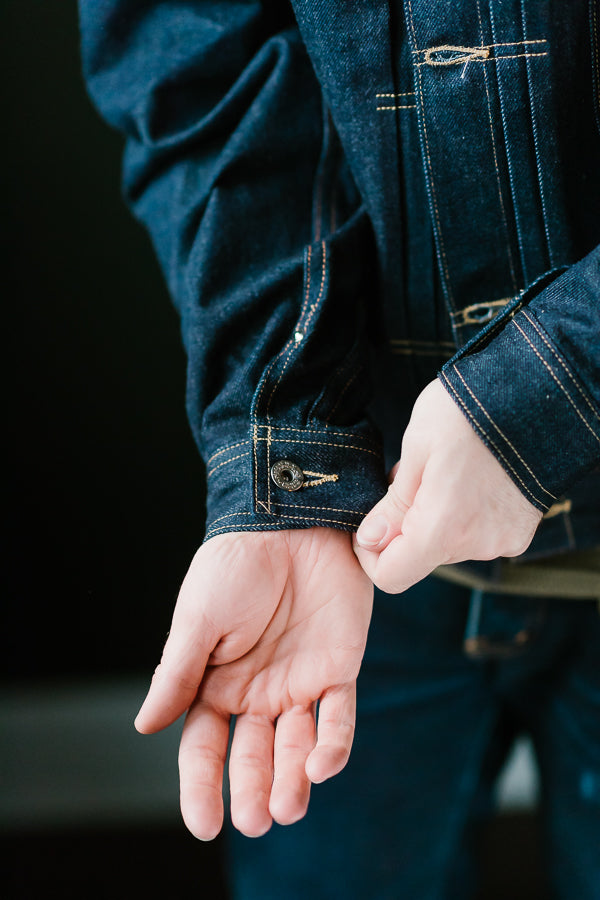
x=266 y=625
x=450 y=500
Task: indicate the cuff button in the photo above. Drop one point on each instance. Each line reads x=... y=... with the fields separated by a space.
x=287 y=475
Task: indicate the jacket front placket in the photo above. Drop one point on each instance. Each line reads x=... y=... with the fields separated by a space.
x=477 y=70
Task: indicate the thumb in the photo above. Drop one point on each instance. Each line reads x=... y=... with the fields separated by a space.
x=384 y=522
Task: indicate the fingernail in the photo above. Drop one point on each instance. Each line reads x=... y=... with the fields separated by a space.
x=372 y=531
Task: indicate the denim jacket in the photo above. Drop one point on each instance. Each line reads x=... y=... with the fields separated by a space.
x=348 y=198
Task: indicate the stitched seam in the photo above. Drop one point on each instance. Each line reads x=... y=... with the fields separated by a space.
x=393 y=94
x=482 y=431
x=503 y=436
x=314 y=305
x=323 y=431
x=563 y=364
x=495 y=152
x=227 y=461
x=301 y=324
x=351 y=512
x=536 y=144
x=262 y=526
x=280 y=354
x=269 y=469
x=254 y=446
x=226 y=450
x=285 y=518
x=290 y=344
x=430 y=167
x=408 y=106
x=356 y=512
x=321 y=444
x=559 y=383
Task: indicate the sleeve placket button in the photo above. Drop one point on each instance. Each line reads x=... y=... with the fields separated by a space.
x=287 y=475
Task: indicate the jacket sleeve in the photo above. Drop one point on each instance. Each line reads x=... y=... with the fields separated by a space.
x=530 y=382
x=233 y=165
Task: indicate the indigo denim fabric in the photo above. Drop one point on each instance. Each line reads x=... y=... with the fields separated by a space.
x=343 y=195
x=405 y=818
x=348 y=198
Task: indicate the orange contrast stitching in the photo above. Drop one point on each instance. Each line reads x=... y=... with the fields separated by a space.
x=321 y=444
x=495 y=152
x=563 y=364
x=559 y=383
x=503 y=436
x=479 y=428
x=226 y=450
x=430 y=167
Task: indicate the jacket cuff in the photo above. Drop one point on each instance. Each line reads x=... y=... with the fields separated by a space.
x=525 y=400
x=280 y=477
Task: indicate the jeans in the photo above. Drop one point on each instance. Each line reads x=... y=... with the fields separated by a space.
x=434 y=725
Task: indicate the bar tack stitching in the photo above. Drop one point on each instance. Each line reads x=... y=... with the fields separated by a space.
x=318 y=478
x=464 y=314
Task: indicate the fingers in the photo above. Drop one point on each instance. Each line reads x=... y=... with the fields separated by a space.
x=176 y=679
x=335 y=733
x=251 y=774
x=384 y=521
x=174 y=684
x=294 y=740
x=404 y=562
x=202 y=754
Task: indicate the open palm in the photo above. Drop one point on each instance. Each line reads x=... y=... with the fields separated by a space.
x=266 y=625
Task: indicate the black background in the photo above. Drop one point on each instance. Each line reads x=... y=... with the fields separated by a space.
x=106 y=495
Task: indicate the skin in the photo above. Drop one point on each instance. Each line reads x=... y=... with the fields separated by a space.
x=449 y=500
x=267 y=624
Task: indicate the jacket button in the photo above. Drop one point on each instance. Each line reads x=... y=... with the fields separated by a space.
x=287 y=475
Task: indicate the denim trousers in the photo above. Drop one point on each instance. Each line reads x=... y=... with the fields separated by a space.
x=434 y=726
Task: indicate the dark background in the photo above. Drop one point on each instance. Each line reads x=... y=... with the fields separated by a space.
x=105 y=488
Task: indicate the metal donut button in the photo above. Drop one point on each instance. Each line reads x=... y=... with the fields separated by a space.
x=287 y=475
